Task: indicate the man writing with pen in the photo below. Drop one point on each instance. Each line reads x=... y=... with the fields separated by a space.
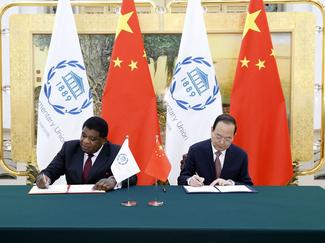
x=216 y=161
x=85 y=161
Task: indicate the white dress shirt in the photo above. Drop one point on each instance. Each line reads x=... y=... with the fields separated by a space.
x=221 y=156
x=93 y=159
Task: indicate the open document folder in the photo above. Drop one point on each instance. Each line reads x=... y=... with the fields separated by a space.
x=218 y=189
x=64 y=189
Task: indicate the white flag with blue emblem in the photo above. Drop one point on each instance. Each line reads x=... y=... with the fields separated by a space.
x=124 y=164
x=193 y=98
x=65 y=100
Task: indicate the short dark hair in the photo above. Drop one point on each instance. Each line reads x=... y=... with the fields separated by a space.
x=98 y=124
x=225 y=118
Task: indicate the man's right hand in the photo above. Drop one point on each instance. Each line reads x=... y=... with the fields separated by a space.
x=43 y=181
x=196 y=180
x=106 y=184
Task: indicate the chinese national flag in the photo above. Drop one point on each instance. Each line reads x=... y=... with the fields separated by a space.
x=158 y=165
x=129 y=102
x=258 y=104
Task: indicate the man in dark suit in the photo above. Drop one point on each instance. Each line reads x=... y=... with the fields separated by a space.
x=216 y=161
x=85 y=161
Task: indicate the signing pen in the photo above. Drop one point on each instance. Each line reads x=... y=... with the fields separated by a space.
x=200 y=179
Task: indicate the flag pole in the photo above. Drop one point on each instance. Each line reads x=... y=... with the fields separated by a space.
x=128 y=203
x=156 y=202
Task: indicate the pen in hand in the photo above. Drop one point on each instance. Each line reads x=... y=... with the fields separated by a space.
x=196 y=180
x=201 y=179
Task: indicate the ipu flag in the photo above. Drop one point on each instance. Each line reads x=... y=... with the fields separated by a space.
x=65 y=100
x=124 y=164
x=193 y=98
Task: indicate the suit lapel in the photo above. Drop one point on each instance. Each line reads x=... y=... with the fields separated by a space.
x=209 y=159
x=226 y=163
x=78 y=159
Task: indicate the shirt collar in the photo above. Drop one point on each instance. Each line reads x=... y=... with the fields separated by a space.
x=223 y=152
x=98 y=151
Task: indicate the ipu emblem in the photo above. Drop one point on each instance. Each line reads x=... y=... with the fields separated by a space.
x=192 y=82
x=122 y=159
x=67 y=86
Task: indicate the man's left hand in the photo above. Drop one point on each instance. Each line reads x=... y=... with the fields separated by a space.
x=222 y=182
x=106 y=184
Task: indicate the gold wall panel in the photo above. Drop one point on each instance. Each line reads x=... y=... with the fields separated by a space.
x=293 y=39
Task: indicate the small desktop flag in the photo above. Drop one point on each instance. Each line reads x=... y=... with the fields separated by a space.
x=158 y=165
x=124 y=165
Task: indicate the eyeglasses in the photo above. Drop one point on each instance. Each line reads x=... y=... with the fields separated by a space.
x=221 y=138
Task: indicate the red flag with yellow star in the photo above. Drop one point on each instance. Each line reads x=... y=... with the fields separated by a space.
x=128 y=101
x=158 y=165
x=258 y=104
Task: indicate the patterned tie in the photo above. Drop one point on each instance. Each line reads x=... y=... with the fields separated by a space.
x=218 y=164
x=87 y=168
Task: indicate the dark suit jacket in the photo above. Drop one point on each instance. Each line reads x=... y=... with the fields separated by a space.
x=200 y=160
x=69 y=161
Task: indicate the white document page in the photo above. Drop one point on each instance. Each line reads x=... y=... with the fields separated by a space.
x=63 y=189
x=85 y=188
x=236 y=188
x=53 y=189
x=201 y=189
